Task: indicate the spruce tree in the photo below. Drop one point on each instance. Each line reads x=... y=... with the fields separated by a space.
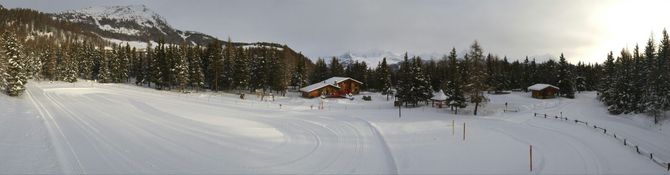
x=566 y=83
x=105 y=75
x=69 y=71
x=384 y=77
x=15 y=75
x=650 y=96
x=229 y=58
x=181 y=73
x=320 y=71
x=196 y=76
x=404 y=83
x=215 y=69
x=606 y=88
x=421 y=88
x=299 y=77
x=241 y=70
x=50 y=63
x=336 y=69
x=454 y=86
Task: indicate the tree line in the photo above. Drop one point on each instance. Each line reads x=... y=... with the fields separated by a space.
x=464 y=79
x=638 y=82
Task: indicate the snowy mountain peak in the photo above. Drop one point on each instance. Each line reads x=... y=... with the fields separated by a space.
x=130 y=23
x=371 y=57
x=139 y=14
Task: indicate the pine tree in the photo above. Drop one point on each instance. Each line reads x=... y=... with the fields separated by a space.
x=228 y=74
x=320 y=71
x=69 y=71
x=181 y=72
x=404 y=85
x=275 y=73
x=336 y=69
x=299 y=77
x=105 y=75
x=477 y=76
x=241 y=71
x=384 y=77
x=15 y=75
x=651 y=95
x=86 y=61
x=638 y=79
x=215 y=69
x=49 y=68
x=606 y=88
x=454 y=86
x=422 y=90
x=664 y=71
x=566 y=83
x=196 y=75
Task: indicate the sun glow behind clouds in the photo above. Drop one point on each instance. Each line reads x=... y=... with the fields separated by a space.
x=626 y=23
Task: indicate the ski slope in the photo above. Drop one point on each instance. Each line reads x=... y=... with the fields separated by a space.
x=123 y=129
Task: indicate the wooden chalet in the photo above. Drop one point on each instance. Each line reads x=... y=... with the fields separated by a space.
x=332 y=87
x=543 y=91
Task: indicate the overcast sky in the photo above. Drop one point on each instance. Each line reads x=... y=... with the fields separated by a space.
x=583 y=30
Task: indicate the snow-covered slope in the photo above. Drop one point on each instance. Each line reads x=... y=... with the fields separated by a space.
x=130 y=23
x=91 y=128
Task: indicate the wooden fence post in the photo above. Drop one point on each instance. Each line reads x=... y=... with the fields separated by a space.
x=531 y=158
x=637 y=149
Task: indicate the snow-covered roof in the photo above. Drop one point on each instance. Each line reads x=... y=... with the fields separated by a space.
x=539 y=87
x=316 y=86
x=340 y=79
x=329 y=82
x=439 y=95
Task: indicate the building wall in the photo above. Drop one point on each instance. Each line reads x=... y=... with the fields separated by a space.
x=316 y=93
x=349 y=86
x=545 y=93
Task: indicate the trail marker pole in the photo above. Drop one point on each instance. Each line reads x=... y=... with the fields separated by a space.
x=399 y=111
x=453 y=127
x=531 y=158
x=463 y=131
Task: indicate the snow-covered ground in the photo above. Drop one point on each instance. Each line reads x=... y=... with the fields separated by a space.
x=111 y=128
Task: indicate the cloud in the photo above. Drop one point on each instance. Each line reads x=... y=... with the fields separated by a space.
x=514 y=28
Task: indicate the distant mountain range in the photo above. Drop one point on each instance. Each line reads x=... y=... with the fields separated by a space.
x=130 y=23
x=373 y=57
x=137 y=25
